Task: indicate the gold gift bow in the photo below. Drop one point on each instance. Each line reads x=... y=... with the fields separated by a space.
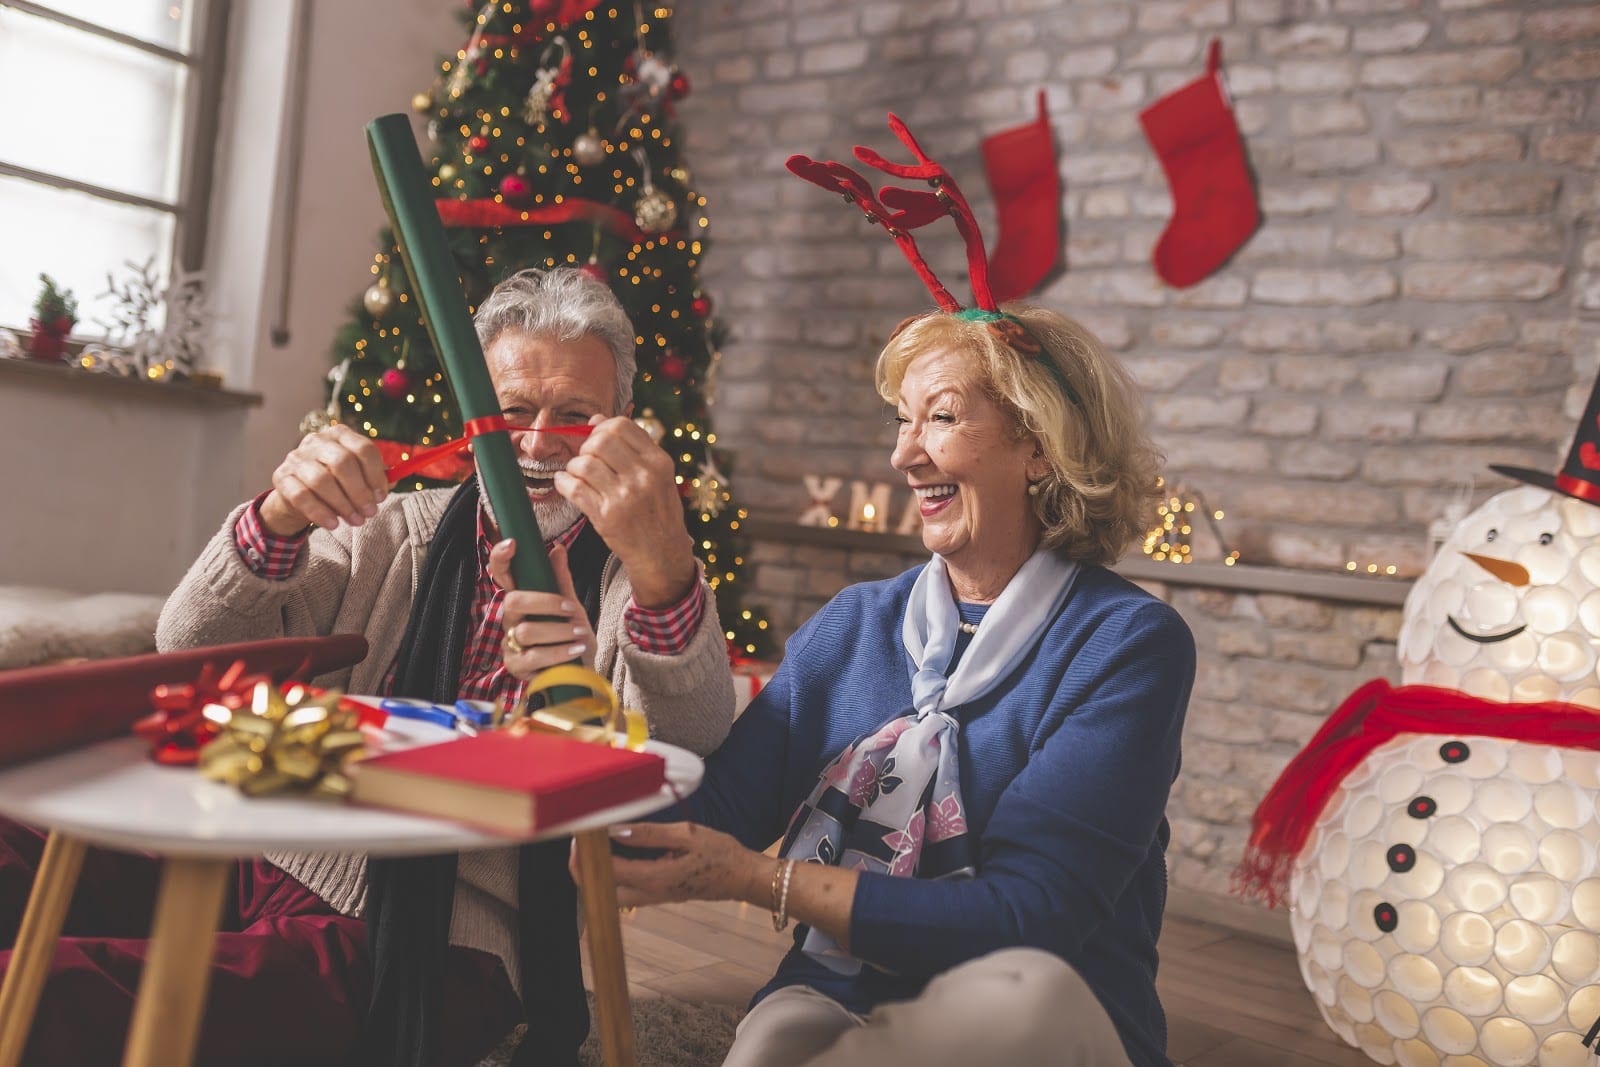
x=293 y=740
x=619 y=727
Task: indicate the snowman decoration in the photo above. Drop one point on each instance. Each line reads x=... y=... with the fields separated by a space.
x=1437 y=843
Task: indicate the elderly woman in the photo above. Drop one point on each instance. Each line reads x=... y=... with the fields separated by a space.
x=972 y=760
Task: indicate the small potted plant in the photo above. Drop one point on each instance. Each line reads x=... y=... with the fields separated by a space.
x=55 y=312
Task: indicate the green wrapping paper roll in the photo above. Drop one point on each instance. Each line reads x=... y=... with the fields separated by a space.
x=408 y=200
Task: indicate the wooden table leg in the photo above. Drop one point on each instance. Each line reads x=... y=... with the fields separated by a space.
x=172 y=990
x=36 y=942
x=609 y=969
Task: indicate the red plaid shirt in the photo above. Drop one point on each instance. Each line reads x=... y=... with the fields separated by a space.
x=483 y=674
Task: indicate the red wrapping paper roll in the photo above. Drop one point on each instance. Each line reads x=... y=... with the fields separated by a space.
x=44 y=710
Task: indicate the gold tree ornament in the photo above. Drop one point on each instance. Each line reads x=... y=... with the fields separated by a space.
x=422 y=102
x=651 y=425
x=589 y=148
x=706 y=491
x=537 y=106
x=314 y=421
x=655 y=211
x=379 y=298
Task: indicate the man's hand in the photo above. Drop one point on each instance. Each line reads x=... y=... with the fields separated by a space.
x=623 y=482
x=334 y=474
x=542 y=629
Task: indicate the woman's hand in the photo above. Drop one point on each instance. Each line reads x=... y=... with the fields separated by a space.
x=698 y=864
x=533 y=644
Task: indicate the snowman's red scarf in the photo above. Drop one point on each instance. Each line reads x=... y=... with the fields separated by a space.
x=1374 y=714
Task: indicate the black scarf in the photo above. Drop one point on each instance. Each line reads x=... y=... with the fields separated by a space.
x=409 y=900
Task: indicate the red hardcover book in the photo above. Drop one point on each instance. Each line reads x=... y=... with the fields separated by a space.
x=508 y=783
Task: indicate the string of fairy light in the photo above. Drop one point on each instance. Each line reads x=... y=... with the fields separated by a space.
x=1167 y=540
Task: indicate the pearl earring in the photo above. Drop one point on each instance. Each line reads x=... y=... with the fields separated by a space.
x=1033 y=488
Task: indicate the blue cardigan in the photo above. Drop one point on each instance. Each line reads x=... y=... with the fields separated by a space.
x=1065 y=769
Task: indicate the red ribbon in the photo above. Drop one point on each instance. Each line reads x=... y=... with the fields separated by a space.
x=484 y=424
x=178 y=729
x=1372 y=715
x=449 y=462
x=485 y=213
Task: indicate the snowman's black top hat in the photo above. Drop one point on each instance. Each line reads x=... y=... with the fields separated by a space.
x=1579 y=477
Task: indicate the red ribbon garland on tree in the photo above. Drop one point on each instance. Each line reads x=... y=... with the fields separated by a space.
x=489 y=212
x=559 y=12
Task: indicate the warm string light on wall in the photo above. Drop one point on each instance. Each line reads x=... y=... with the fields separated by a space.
x=1386 y=570
x=1170 y=538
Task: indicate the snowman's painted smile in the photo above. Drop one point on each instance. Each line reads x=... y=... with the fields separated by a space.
x=1485 y=639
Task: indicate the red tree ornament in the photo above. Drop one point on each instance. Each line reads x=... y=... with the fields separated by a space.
x=596 y=270
x=514 y=188
x=673 y=367
x=478 y=143
x=395 y=383
x=679 y=86
x=700 y=306
x=543 y=9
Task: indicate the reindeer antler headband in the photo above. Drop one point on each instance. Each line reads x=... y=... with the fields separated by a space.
x=899 y=211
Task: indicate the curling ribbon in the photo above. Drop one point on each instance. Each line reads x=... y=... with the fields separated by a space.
x=489 y=212
x=446 y=461
x=618 y=727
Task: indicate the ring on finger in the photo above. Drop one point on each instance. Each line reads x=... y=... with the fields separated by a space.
x=512 y=645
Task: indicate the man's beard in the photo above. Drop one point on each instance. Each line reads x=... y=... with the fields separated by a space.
x=555 y=514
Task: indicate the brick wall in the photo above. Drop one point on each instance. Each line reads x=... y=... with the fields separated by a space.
x=1422 y=299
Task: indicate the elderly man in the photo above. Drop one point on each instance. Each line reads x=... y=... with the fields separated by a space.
x=454 y=940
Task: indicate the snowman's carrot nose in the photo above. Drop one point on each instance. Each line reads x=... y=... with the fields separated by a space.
x=1503 y=569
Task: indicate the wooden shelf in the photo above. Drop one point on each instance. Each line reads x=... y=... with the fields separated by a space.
x=1321 y=585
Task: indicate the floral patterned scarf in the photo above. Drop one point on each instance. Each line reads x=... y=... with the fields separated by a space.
x=891 y=803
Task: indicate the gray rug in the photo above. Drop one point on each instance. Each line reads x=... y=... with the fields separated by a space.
x=666 y=1033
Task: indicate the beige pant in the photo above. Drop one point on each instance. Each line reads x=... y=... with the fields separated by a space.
x=1019 y=1006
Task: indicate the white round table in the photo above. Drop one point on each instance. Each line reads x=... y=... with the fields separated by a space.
x=112 y=794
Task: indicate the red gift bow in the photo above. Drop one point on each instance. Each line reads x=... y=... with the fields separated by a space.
x=178 y=729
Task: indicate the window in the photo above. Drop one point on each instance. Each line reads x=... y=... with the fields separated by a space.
x=106 y=142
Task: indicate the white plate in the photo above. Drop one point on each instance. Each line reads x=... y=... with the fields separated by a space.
x=112 y=794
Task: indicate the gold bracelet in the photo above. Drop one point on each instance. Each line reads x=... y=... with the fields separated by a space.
x=777 y=876
x=781 y=918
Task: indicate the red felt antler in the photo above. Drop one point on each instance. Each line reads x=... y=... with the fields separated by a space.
x=903 y=210
x=838 y=178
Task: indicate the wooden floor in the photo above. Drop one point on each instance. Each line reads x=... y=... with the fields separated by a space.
x=1231 y=1000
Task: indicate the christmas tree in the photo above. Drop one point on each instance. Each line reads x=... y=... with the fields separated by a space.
x=552 y=139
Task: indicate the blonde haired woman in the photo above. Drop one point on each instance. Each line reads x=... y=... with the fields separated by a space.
x=972 y=759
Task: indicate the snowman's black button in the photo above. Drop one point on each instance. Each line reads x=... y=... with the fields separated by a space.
x=1402 y=858
x=1454 y=751
x=1385 y=916
x=1421 y=807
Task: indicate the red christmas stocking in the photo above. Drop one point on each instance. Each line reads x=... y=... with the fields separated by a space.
x=1021 y=167
x=1214 y=201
